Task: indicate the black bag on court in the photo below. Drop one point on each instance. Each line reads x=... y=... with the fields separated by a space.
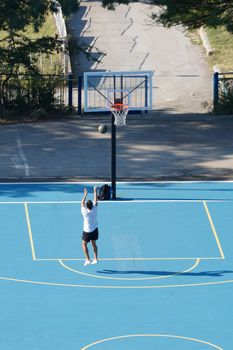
x=104 y=193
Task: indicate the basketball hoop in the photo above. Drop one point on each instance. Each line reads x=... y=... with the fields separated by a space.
x=120 y=111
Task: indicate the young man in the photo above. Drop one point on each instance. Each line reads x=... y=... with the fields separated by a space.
x=90 y=228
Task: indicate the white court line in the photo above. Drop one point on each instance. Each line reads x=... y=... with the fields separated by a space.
x=56 y=284
x=151 y=335
x=126 y=201
x=30 y=232
x=213 y=229
x=22 y=157
x=130 y=279
x=118 y=182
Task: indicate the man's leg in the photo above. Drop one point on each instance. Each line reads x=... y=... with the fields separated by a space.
x=86 y=253
x=95 y=249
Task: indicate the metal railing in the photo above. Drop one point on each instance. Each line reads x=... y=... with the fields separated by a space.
x=27 y=92
x=223 y=86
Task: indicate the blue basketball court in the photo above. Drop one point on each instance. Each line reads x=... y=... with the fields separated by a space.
x=164 y=279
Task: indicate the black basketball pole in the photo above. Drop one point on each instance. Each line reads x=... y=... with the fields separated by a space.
x=113 y=175
x=114 y=146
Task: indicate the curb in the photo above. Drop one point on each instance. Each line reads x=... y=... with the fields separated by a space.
x=205 y=41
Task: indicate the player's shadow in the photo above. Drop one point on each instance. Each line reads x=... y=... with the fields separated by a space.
x=166 y=273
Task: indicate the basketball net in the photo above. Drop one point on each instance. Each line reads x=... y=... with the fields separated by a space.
x=120 y=111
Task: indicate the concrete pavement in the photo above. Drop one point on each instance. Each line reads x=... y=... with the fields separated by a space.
x=154 y=146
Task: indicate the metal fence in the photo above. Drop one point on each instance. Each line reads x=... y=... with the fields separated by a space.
x=223 y=86
x=26 y=92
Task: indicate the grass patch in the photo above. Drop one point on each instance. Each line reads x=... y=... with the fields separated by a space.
x=49 y=28
x=222 y=44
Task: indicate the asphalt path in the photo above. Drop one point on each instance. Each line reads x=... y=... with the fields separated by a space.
x=154 y=146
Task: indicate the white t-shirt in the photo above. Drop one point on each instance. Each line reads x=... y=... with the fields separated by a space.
x=90 y=218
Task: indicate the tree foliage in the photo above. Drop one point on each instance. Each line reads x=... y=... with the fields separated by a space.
x=17 y=50
x=19 y=53
x=193 y=14
x=111 y=4
x=190 y=13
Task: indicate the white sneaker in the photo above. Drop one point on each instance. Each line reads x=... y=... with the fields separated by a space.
x=94 y=262
x=87 y=262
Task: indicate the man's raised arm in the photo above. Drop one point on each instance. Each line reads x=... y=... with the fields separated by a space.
x=95 y=196
x=84 y=197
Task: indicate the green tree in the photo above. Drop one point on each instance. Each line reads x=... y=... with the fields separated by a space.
x=193 y=14
x=17 y=50
x=190 y=13
x=111 y=4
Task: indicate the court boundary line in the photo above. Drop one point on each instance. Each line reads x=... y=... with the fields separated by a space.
x=57 y=284
x=36 y=182
x=30 y=232
x=117 y=201
x=131 y=279
x=213 y=230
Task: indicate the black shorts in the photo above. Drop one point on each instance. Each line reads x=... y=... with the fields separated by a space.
x=90 y=236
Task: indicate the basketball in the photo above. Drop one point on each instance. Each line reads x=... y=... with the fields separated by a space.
x=102 y=128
